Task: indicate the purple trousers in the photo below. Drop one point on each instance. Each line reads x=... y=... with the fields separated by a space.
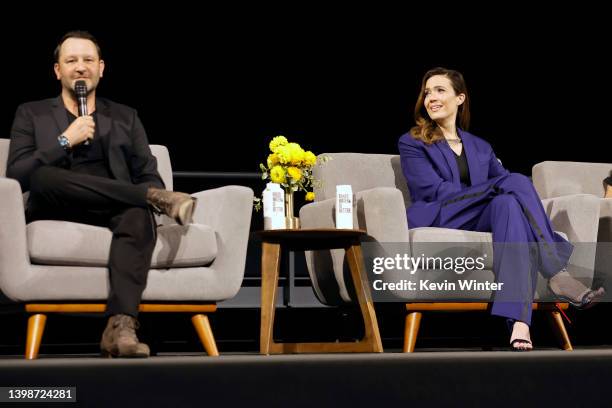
x=523 y=239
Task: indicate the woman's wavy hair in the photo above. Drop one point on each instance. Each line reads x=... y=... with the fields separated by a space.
x=426 y=129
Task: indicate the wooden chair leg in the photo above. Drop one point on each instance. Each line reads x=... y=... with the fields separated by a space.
x=202 y=326
x=411 y=331
x=559 y=328
x=36 y=327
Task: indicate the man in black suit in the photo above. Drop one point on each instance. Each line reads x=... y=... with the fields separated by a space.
x=96 y=169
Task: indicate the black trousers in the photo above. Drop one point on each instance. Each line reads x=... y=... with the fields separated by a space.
x=61 y=194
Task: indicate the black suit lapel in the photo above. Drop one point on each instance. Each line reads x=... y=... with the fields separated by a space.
x=59 y=113
x=61 y=120
x=104 y=123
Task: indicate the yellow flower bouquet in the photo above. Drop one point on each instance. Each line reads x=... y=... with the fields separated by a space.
x=291 y=167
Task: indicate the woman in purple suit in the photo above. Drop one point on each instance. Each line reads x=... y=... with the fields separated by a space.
x=455 y=181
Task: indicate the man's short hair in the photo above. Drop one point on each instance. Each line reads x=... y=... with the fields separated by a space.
x=76 y=34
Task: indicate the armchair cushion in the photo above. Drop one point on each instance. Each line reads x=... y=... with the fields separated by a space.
x=480 y=243
x=73 y=244
x=423 y=242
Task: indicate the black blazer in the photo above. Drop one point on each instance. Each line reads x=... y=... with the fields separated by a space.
x=38 y=124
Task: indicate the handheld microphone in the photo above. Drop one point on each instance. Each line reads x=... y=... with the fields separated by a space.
x=80 y=89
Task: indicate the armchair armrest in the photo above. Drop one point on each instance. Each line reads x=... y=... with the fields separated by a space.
x=380 y=211
x=576 y=215
x=320 y=214
x=228 y=211
x=14 y=258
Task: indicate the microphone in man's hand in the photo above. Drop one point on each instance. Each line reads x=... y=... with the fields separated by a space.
x=80 y=89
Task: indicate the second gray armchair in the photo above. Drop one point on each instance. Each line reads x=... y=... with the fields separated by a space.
x=554 y=180
x=381 y=201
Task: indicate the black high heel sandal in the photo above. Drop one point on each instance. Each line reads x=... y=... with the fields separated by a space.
x=510 y=326
x=520 y=341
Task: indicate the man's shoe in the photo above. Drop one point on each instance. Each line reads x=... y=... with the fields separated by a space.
x=178 y=206
x=119 y=338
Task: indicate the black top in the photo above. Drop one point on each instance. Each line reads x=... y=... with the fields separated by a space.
x=462 y=165
x=89 y=159
x=608 y=181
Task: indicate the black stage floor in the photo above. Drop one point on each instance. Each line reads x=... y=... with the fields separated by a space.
x=442 y=378
x=460 y=360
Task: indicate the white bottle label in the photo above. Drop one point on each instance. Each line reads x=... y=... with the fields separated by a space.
x=344 y=207
x=274 y=207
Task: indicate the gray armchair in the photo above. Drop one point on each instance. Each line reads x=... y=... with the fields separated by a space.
x=555 y=179
x=59 y=266
x=559 y=179
x=381 y=199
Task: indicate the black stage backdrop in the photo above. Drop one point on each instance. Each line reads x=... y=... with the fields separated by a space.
x=215 y=86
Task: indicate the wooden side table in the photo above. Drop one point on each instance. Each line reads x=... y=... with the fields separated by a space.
x=313 y=239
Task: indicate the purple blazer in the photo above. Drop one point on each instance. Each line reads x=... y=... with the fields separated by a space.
x=432 y=174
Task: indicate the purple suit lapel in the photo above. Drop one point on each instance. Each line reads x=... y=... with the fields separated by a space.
x=449 y=157
x=472 y=157
x=450 y=160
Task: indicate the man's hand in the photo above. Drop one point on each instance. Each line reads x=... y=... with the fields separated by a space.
x=80 y=130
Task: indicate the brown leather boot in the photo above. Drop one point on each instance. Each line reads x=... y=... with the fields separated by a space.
x=119 y=338
x=178 y=206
